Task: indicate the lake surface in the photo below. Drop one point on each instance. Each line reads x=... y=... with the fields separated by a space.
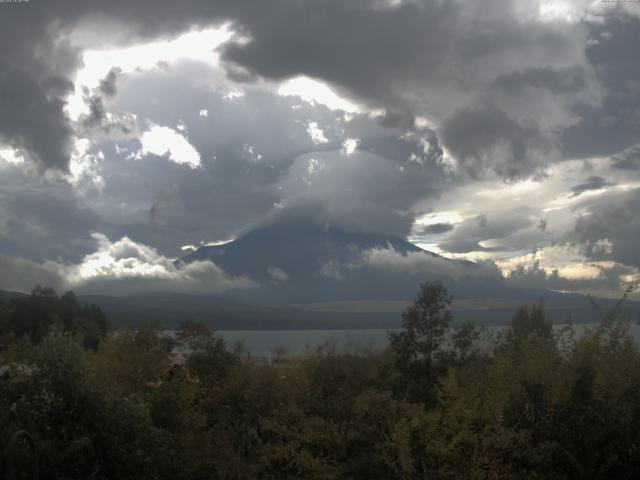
x=262 y=343
x=296 y=342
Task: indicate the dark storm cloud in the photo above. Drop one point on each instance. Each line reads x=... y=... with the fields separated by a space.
x=97 y=112
x=628 y=160
x=561 y=81
x=468 y=235
x=611 y=228
x=108 y=84
x=449 y=60
x=423 y=149
x=391 y=50
x=36 y=49
x=57 y=87
x=163 y=199
x=409 y=58
x=498 y=85
x=612 y=125
x=486 y=138
x=34 y=76
x=33 y=123
x=594 y=182
x=385 y=43
x=395 y=119
x=42 y=219
x=97 y=116
x=542 y=225
x=22 y=275
x=435 y=229
x=412 y=57
x=98 y=121
x=396 y=57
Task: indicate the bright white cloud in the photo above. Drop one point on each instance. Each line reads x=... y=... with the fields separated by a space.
x=553 y=257
x=422 y=263
x=119 y=267
x=198 y=45
x=11 y=156
x=349 y=146
x=84 y=168
x=315 y=166
x=126 y=259
x=233 y=94
x=318 y=92
x=564 y=10
x=316 y=133
x=164 y=140
x=548 y=199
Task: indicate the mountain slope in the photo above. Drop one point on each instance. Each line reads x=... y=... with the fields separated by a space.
x=298 y=261
x=300 y=249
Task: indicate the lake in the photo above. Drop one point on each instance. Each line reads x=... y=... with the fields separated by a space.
x=296 y=342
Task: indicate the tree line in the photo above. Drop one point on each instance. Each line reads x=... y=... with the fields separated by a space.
x=443 y=401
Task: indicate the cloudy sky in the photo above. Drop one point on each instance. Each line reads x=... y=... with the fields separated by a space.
x=503 y=131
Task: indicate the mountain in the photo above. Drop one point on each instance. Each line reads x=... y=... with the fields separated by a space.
x=320 y=273
x=299 y=261
x=300 y=248
x=313 y=276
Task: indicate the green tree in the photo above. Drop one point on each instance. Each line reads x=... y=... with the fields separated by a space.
x=129 y=360
x=209 y=358
x=419 y=345
x=34 y=316
x=528 y=322
x=83 y=428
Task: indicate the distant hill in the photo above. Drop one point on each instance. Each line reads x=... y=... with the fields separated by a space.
x=5 y=295
x=168 y=309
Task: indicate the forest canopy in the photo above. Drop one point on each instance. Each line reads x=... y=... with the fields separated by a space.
x=443 y=401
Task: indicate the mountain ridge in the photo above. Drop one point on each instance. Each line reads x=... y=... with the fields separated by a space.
x=297 y=247
x=300 y=261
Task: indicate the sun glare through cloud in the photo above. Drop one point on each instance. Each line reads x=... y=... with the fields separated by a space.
x=197 y=45
x=166 y=141
x=11 y=156
x=312 y=90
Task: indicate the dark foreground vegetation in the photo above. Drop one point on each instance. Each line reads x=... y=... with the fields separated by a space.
x=442 y=402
